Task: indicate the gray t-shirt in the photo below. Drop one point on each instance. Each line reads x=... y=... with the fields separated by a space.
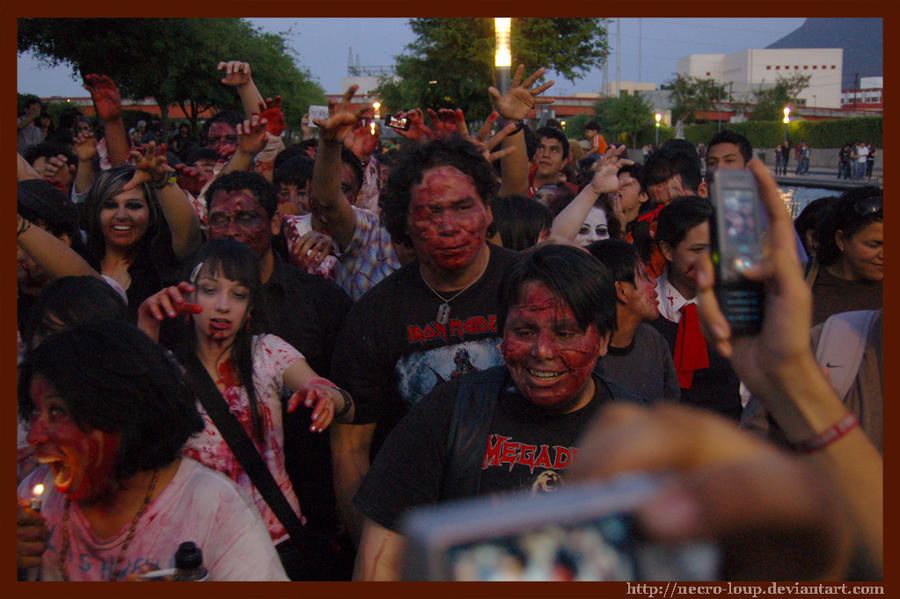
x=645 y=367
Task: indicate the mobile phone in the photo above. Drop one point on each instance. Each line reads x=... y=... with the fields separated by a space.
x=581 y=532
x=400 y=123
x=737 y=244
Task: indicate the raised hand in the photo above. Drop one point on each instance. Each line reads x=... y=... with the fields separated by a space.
x=606 y=168
x=515 y=104
x=151 y=166
x=190 y=178
x=236 y=73
x=85 y=146
x=361 y=141
x=251 y=135
x=270 y=111
x=55 y=167
x=486 y=147
x=446 y=121
x=418 y=130
x=166 y=303
x=342 y=117
x=105 y=95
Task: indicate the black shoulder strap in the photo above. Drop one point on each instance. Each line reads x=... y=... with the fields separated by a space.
x=473 y=411
x=240 y=444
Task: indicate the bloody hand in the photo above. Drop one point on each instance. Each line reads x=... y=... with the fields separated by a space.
x=271 y=112
x=190 y=178
x=106 y=96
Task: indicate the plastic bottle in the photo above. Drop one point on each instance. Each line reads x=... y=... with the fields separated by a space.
x=189 y=563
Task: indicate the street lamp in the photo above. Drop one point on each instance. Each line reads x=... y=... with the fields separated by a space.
x=502 y=53
x=657 y=116
x=375 y=106
x=786 y=120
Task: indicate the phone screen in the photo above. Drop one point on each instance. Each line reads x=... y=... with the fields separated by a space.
x=740 y=244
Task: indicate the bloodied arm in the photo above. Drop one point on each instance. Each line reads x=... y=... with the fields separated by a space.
x=331 y=211
x=380 y=554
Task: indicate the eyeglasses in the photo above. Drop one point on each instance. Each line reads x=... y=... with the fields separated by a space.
x=868 y=206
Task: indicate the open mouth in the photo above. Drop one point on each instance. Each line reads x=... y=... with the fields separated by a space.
x=219 y=324
x=545 y=375
x=62 y=473
x=122 y=228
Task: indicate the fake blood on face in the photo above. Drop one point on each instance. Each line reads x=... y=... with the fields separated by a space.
x=448 y=219
x=238 y=215
x=82 y=461
x=549 y=356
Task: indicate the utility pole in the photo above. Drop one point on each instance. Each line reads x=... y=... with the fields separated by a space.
x=619 y=58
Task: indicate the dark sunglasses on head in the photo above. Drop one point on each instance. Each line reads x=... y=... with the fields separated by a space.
x=870 y=205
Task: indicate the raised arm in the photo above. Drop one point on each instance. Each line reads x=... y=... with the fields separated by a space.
x=570 y=219
x=331 y=210
x=109 y=108
x=251 y=139
x=51 y=253
x=514 y=106
x=25 y=171
x=236 y=74
x=778 y=366
x=184 y=224
x=85 y=146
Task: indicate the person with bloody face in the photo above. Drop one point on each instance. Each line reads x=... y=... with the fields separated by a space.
x=400 y=338
x=557 y=311
x=107 y=415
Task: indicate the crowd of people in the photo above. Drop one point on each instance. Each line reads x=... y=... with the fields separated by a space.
x=277 y=351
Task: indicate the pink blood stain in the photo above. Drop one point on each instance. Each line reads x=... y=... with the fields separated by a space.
x=448 y=219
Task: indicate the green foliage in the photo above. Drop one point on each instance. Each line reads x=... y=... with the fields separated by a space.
x=172 y=60
x=818 y=134
x=690 y=94
x=575 y=125
x=457 y=55
x=628 y=118
x=770 y=103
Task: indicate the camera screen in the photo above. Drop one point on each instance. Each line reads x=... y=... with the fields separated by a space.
x=741 y=233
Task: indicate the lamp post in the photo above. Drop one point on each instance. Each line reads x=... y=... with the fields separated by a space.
x=657 y=116
x=502 y=54
x=786 y=120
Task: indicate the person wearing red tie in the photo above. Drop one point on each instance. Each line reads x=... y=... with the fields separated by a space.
x=706 y=378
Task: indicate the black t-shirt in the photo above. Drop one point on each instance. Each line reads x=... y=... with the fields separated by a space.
x=716 y=388
x=528 y=448
x=392 y=351
x=832 y=295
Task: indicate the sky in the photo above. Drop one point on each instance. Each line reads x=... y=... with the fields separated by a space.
x=650 y=49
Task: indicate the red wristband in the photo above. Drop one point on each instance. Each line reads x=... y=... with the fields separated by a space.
x=831 y=434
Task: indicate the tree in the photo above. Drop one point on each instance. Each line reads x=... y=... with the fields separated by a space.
x=175 y=61
x=624 y=117
x=770 y=103
x=690 y=94
x=450 y=63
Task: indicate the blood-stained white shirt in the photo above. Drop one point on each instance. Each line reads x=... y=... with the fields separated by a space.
x=271 y=357
x=197 y=505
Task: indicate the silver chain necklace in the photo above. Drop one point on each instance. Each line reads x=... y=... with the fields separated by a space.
x=443 y=313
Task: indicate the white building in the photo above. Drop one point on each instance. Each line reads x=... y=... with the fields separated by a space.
x=746 y=71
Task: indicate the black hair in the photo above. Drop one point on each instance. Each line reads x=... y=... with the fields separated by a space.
x=844 y=215
x=69 y=301
x=114 y=378
x=559 y=200
x=582 y=282
x=675 y=157
x=810 y=217
x=679 y=217
x=592 y=124
x=412 y=163
x=226 y=116
x=262 y=190
x=350 y=159
x=565 y=196
x=107 y=185
x=618 y=256
x=296 y=170
x=520 y=221
x=202 y=154
x=293 y=150
x=43 y=204
x=48 y=149
x=237 y=262
x=732 y=137
x=637 y=173
x=556 y=134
